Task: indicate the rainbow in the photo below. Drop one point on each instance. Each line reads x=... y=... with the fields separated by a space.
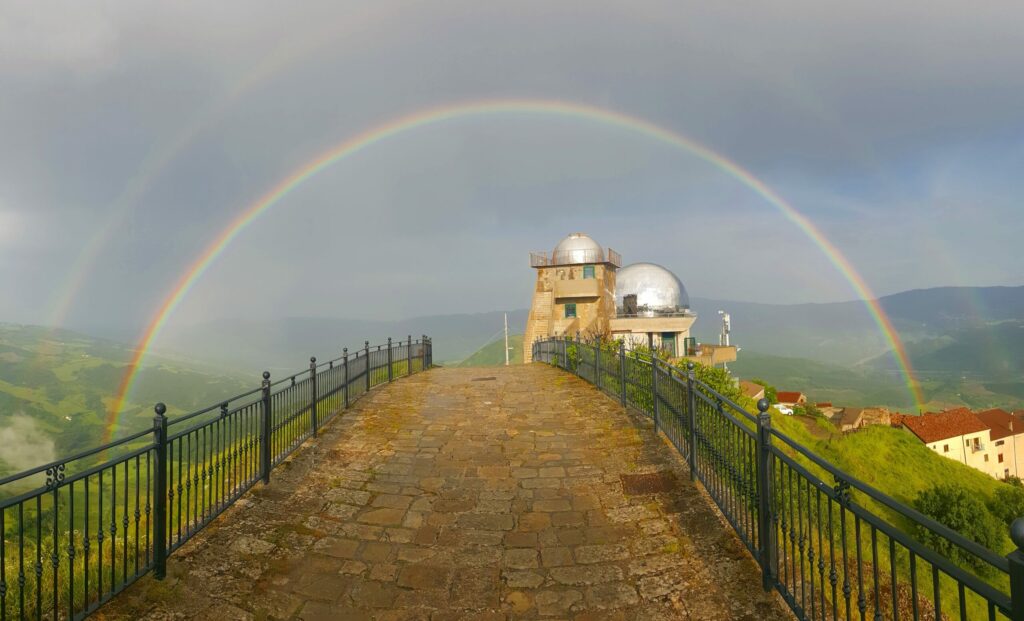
x=153 y=164
x=555 y=108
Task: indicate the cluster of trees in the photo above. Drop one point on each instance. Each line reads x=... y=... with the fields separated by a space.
x=982 y=520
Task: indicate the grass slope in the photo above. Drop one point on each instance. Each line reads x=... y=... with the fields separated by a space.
x=898 y=464
x=493 y=355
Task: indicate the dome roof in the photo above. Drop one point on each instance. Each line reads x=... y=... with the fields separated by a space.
x=657 y=289
x=577 y=248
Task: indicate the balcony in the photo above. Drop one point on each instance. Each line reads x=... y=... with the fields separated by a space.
x=576 y=257
x=977 y=447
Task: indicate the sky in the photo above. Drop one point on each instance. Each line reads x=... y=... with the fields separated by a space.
x=132 y=133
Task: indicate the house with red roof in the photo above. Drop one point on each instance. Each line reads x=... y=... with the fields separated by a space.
x=958 y=434
x=1006 y=431
x=790 y=399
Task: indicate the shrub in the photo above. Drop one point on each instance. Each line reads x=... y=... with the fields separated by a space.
x=770 y=392
x=1008 y=503
x=956 y=507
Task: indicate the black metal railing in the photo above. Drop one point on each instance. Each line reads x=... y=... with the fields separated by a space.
x=831 y=545
x=78 y=531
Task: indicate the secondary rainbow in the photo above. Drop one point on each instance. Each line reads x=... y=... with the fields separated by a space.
x=544 y=107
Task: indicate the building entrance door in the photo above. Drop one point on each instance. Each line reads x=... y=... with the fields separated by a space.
x=668 y=342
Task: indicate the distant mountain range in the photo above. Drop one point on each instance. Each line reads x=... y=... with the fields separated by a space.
x=845 y=333
x=938 y=325
x=975 y=333
x=255 y=345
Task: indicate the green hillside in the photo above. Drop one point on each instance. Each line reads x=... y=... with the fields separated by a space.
x=868 y=385
x=854 y=386
x=57 y=386
x=493 y=355
x=993 y=351
x=897 y=463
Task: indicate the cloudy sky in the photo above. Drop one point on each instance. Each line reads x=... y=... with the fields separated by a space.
x=133 y=133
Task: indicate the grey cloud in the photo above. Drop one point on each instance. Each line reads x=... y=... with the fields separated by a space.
x=870 y=119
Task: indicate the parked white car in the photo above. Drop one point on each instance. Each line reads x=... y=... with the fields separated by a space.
x=783 y=409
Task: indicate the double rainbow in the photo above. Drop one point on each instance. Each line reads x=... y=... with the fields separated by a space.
x=553 y=108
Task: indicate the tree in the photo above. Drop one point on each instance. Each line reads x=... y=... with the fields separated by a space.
x=1008 y=503
x=719 y=380
x=812 y=410
x=959 y=509
x=770 y=392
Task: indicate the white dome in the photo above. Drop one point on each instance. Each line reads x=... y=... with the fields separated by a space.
x=658 y=291
x=577 y=248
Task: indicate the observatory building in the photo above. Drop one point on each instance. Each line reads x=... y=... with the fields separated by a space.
x=583 y=288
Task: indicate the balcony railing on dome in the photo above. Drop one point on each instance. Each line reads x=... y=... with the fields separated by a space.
x=572 y=257
x=77 y=531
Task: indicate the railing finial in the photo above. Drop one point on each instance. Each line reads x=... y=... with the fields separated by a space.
x=1017 y=532
x=160 y=409
x=762 y=404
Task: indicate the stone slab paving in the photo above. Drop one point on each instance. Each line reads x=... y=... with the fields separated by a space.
x=466 y=494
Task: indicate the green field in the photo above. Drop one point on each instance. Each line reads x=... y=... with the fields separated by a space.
x=57 y=389
x=493 y=354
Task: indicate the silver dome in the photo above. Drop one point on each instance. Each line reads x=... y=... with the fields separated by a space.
x=657 y=290
x=577 y=248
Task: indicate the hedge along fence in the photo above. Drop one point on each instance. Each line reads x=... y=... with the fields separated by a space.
x=78 y=531
x=831 y=545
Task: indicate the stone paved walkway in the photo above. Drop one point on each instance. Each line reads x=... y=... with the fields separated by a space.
x=466 y=494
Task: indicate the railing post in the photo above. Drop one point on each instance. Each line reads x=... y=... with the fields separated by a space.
x=159 y=492
x=655 y=408
x=345 y=365
x=313 y=395
x=597 y=363
x=766 y=530
x=691 y=415
x=622 y=371
x=265 y=433
x=390 y=375
x=579 y=356
x=408 y=356
x=1016 y=559
x=366 y=345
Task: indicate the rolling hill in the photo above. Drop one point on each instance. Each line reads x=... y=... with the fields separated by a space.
x=56 y=387
x=844 y=333
x=493 y=355
x=252 y=345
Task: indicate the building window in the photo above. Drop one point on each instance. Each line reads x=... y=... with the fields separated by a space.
x=570 y=310
x=945 y=448
x=588 y=271
x=1000 y=458
x=967 y=442
x=986 y=457
x=999 y=442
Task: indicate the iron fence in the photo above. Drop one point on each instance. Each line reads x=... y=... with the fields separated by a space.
x=77 y=531
x=833 y=546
